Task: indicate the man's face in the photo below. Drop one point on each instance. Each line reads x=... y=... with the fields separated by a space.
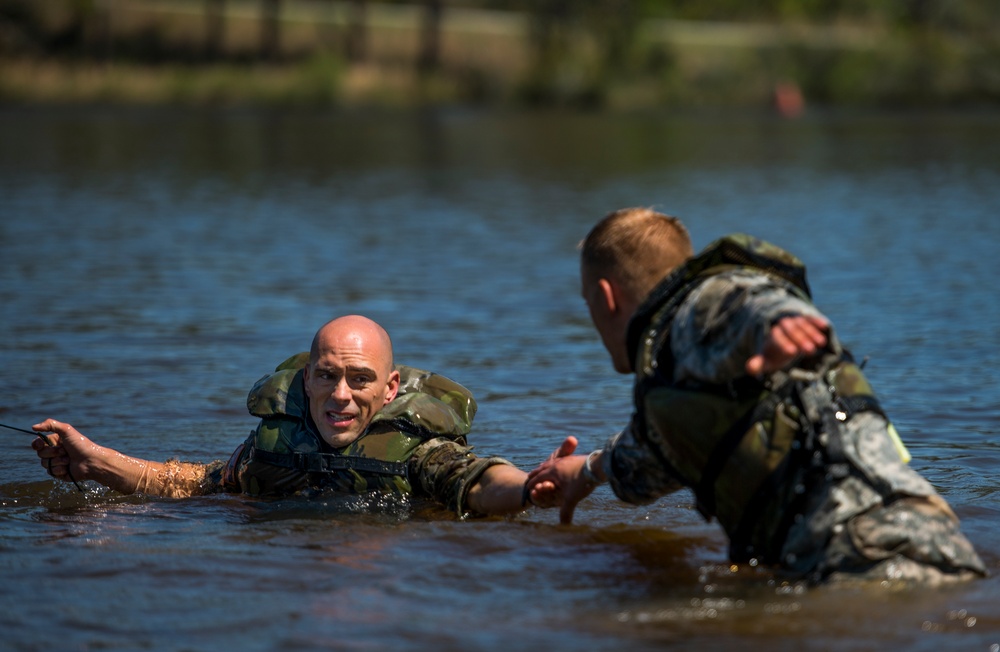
x=348 y=383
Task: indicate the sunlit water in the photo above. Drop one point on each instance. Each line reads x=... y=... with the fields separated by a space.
x=156 y=263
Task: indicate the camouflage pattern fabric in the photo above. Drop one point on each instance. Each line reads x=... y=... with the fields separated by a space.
x=446 y=470
x=877 y=520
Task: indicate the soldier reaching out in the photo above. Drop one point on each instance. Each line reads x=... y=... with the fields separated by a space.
x=744 y=394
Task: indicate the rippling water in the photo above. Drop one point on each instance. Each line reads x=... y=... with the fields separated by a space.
x=156 y=263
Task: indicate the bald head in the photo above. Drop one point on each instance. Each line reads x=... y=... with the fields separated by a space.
x=361 y=329
x=349 y=378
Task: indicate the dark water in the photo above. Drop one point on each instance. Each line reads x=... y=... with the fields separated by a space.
x=156 y=263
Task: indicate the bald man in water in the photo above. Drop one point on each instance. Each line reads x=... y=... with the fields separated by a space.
x=343 y=419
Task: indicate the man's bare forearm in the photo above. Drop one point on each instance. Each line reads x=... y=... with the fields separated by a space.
x=128 y=475
x=500 y=490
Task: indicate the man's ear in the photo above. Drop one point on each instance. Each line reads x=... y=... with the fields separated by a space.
x=609 y=295
x=305 y=378
x=393 y=384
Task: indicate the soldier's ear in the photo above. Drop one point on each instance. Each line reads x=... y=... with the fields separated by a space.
x=609 y=295
x=393 y=386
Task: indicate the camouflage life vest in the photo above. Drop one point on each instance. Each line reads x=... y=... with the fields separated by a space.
x=285 y=453
x=751 y=450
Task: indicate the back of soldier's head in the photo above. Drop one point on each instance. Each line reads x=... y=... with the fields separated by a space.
x=637 y=247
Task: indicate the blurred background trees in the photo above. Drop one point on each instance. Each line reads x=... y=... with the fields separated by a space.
x=595 y=53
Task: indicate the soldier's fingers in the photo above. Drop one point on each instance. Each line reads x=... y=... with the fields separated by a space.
x=48 y=456
x=801 y=338
x=566 y=448
x=45 y=449
x=821 y=323
x=55 y=470
x=817 y=331
x=779 y=340
x=806 y=328
x=55 y=466
x=49 y=425
x=566 y=512
x=542 y=468
x=545 y=494
x=755 y=365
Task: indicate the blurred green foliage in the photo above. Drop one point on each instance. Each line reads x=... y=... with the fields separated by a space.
x=587 y=53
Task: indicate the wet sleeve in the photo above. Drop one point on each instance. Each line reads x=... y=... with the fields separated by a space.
x=227 y=476
x=446 y=470
x=724 y=321
x=634 y=472
x=213 y=477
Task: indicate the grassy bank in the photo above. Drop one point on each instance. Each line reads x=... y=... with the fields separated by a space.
x=159 y=51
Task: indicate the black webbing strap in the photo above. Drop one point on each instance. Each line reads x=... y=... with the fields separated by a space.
x=328 y=463
x=811 y=473
x=860 y=403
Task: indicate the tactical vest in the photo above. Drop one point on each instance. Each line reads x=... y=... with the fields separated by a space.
x=286 y=453
x=751 y=450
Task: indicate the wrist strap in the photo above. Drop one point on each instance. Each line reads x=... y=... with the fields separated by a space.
x=588 y=469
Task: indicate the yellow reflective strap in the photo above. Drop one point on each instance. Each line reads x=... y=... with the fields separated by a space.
x=900 y=448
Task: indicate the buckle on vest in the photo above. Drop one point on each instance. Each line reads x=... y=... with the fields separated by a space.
x=313 y=462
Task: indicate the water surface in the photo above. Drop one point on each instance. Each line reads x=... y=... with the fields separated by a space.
x=157 y=262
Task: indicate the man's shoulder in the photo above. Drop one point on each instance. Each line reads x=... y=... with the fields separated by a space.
x=421 y=413
x=280 y=393
x=412 y=379
x=427 y=387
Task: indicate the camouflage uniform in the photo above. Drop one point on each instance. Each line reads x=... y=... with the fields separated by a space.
x=802 y=468
x=414 y=445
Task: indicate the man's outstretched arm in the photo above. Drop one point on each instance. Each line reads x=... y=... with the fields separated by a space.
x=504 y=489
x=66 y=454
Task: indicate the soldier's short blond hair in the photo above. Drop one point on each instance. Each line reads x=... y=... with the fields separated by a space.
x=637 y=247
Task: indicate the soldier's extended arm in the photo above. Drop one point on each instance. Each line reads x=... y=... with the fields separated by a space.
x=727 y=322
x=71 y=452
